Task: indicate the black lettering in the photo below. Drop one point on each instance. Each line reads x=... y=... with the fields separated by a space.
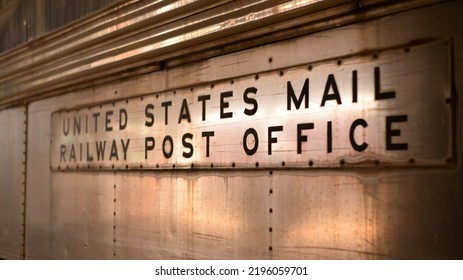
x=122 y=124
x=302 y=138
x=62 y=153
x=187 y=145
x=394 y=132
x=72 y=154
x=250 y=100
x=65 y=129
x=166 y=113
x=207 y=134
x=291 y=96
x=354 y=86
x=95 y=116
x=89 y=156
x=357 y=147
x=76 y=126
x=329 y=138
x=378 y=94
x=253 y=150
x=149 y=145
x=150 y=121
x=80 y=152
x=167 y=154
x=224 y=105
x=331 y=83
x=184 y=112
x=125 y=147
x=114 y=151
x=86 y=124
x=100 y=148
x=203 y=99
x=108 y=121
x=272 y=139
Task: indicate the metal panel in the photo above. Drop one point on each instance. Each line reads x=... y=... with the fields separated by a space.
x=12 y=182
x=192 y=215
x=316 y=213
x=366 y=215
x=361 y=110
x=56 y=204
x=81 y=216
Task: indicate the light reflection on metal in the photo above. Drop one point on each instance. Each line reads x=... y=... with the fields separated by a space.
x=61 y=59
x=360 y=111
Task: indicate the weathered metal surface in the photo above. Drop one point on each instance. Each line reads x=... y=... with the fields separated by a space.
x=145 y=36
x=366 y=215
x=217 y=215
x=387 y=108
x=312 y=213
x=12 y=180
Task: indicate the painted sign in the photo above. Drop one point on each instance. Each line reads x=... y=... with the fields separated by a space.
x=388 y=108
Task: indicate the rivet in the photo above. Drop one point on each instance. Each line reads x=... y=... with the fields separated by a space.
x=173 y=166
x=376 y=162
x=449 y=160
x=157 y=165
x=270 y=191
x=126 y=167
x=212 y=85
x=232 y=82
x=342 y=162
x=375 y=55
x=411 y=160
x=270 y=210
x=270 y=229
x=309 y=67
x=282 y=73
x=157 y=95
x=270 y=172
x=407 y=50
x=310 y=162
x=270 y=59
x=191 y=89
x=141 y=166
x=256 y=77
x=339 y=62
x=448 y=100
x=283 y=163
x=141 y=98
x=270 y=248
x=212 y=165
x=233 y=164
x=257 y=164
x=115 y=92
x=126 y=101
x=192 y=165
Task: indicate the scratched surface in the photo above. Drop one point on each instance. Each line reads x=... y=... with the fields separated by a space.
x=340 y=213
x=388 y=107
